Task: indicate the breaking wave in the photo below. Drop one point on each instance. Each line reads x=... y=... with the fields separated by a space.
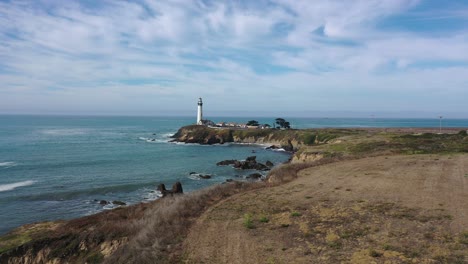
x=12 y=186
x=8 y=164
x=161 y=138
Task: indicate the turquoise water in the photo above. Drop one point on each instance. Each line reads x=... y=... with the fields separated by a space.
x=59 y=167
x=54 y=167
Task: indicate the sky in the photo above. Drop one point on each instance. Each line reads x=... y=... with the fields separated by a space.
x=401 y=58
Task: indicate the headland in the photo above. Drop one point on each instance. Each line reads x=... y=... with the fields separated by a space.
x=348 y=195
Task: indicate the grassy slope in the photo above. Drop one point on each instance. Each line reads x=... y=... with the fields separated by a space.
x=291 y=222
x=370 y=210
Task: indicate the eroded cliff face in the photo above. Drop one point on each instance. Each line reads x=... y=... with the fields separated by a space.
x=307 y=157
x=205 y=135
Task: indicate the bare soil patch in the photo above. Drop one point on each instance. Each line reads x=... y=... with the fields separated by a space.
x=395 y=209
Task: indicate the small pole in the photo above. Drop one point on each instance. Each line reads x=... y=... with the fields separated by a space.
x=440 y=124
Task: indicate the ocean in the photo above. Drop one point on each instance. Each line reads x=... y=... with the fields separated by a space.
x=61 y=167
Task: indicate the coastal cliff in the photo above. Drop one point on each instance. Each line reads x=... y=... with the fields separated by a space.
x=290 y=140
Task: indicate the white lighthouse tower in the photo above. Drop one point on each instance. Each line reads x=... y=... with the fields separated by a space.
x=200 y=112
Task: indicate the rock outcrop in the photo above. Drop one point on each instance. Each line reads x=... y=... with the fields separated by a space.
x=250 y=163
x=289 y=140
x=306 y=157
x=269 y=164
x=176 y=189
x=254 y=176
x=226 y=162
x=202 y=135
x=118 y=203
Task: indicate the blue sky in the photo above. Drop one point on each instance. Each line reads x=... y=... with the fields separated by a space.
x=289 y=57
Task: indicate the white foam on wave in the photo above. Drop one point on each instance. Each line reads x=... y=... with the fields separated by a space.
x=152 y=195
x=168 y=135
x=110 y=206
x=12 y=186
x=153 y=140
x=194 y=177
x=279 y=150
x=65 y=131
x=251 y=144
x=158 y=138
x=8 y=164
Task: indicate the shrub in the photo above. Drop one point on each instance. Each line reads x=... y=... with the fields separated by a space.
x=248 y=223
x=295 y=214
x=375 y=254
x=309 y=139
x=464 y=238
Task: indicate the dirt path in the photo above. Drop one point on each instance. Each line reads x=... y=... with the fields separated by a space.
x=396 y=209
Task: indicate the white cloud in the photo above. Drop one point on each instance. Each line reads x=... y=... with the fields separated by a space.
x=60 y=52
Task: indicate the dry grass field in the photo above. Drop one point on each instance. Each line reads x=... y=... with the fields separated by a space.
x=388 y=209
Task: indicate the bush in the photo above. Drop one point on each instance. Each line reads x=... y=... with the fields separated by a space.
x=309 y=139
x=295 y=214
x=248 y=223
x=375 y=254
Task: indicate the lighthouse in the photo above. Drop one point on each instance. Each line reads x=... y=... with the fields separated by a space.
x=200 y=112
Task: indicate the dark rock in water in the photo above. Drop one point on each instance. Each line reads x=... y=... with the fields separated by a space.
x=269 y=163
x=118 y=203
x=260 y=166
x=153 y=139
x=154 y=134
x=177 y=188
x=250 y=163
x=202 y=176
x=273 y=147
x=251 y=159
x=229 y=180
x=103 y=202
x=161 y=188
x=226 y=162
x=237 y=164
x=255 y=176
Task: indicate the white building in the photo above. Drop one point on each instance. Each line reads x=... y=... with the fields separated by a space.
x=200 y=112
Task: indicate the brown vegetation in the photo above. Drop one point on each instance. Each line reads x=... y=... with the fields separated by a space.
x=134 y=234
x=372 y=210
x=162 y=229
